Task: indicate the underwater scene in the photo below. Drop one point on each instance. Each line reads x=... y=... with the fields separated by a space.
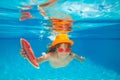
x=89 y=28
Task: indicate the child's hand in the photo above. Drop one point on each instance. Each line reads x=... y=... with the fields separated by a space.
x=22 y=52
x=82 y=58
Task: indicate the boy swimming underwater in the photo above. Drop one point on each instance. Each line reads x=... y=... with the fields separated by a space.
x=59 y=53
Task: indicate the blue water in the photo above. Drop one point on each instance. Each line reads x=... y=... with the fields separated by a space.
x=96 y=34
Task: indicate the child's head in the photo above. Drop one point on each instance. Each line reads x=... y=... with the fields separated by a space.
x=62 y=43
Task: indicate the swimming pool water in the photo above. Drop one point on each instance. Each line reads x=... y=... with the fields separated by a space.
x=14 y=67
x=96 y=34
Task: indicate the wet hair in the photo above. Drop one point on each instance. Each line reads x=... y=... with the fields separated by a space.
x=53 y=49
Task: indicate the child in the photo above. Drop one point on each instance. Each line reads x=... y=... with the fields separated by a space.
x=25 y=15
x=58 y=25
x=59 y=53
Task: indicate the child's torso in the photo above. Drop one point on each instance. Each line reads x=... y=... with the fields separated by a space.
x=56 y=62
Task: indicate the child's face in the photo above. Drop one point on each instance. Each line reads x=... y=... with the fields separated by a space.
x=64 y=49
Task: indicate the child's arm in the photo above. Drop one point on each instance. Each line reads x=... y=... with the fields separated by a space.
x=43 y=13
x=39 y=59
x=42 y=6
x=48 y=3
x=43 y=58
x=80 y=58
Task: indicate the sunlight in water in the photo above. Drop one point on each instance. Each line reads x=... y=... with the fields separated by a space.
x=85 y=10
